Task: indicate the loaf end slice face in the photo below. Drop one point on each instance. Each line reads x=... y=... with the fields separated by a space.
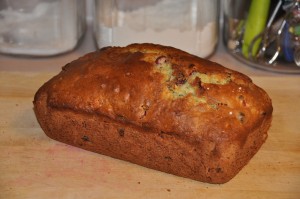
x=158 y=107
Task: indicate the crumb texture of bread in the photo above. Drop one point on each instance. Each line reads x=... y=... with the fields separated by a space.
x=158 y=107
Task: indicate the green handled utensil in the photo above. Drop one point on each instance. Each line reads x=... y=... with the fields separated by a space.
x=255 y=24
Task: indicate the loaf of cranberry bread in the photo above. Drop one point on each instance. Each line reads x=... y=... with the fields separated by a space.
x=158 y=107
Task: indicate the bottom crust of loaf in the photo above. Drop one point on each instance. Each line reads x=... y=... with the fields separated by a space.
x=200 y=160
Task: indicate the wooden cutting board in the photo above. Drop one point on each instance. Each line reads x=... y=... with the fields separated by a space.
x=34 y=166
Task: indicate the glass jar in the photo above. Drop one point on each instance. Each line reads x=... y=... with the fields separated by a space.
x=40 y=27
x=264 y=34
x=190 y=25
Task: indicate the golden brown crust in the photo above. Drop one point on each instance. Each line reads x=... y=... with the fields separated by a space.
x=194 y=117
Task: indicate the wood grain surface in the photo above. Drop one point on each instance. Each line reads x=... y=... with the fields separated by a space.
x=34 y=166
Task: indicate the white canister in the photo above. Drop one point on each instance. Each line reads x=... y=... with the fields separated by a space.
x=190 y=25
x=40 y=27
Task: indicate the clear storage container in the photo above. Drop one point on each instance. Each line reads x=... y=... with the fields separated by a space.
x=264 y=34
x=40 y=27
x=191 y=25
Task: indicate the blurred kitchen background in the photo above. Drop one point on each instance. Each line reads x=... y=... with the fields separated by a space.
x=258 y=37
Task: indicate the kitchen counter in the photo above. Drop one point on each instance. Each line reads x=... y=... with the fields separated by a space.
x=35 y=166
